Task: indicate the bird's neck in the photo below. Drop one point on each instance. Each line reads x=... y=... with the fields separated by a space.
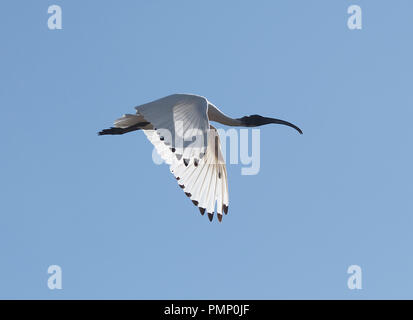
x=214 y=114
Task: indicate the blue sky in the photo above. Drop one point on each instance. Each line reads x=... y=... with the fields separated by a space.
x=120 y=227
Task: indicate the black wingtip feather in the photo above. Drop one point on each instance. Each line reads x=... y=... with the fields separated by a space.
x=225 y=209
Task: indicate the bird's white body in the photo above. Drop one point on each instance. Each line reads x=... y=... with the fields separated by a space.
x=179 y=127
x=200 y=172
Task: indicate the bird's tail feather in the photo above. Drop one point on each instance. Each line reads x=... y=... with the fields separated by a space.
x=115 y=130
x=128 y=120
x=128 y=123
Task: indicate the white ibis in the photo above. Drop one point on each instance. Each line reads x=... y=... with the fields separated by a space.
x=199 y=168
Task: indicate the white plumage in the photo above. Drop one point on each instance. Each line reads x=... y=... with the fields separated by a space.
x=178 y=127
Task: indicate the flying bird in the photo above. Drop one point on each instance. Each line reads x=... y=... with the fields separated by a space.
x=171 y=124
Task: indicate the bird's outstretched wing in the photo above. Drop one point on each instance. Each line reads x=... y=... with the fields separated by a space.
x=178 y=127
x=205 y=182
x=181 y=123
x=203 y=179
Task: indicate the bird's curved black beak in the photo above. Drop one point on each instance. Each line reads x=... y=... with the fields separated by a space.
x=285 y=123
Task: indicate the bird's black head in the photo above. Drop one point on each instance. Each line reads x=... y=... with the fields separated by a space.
x=257 y=120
